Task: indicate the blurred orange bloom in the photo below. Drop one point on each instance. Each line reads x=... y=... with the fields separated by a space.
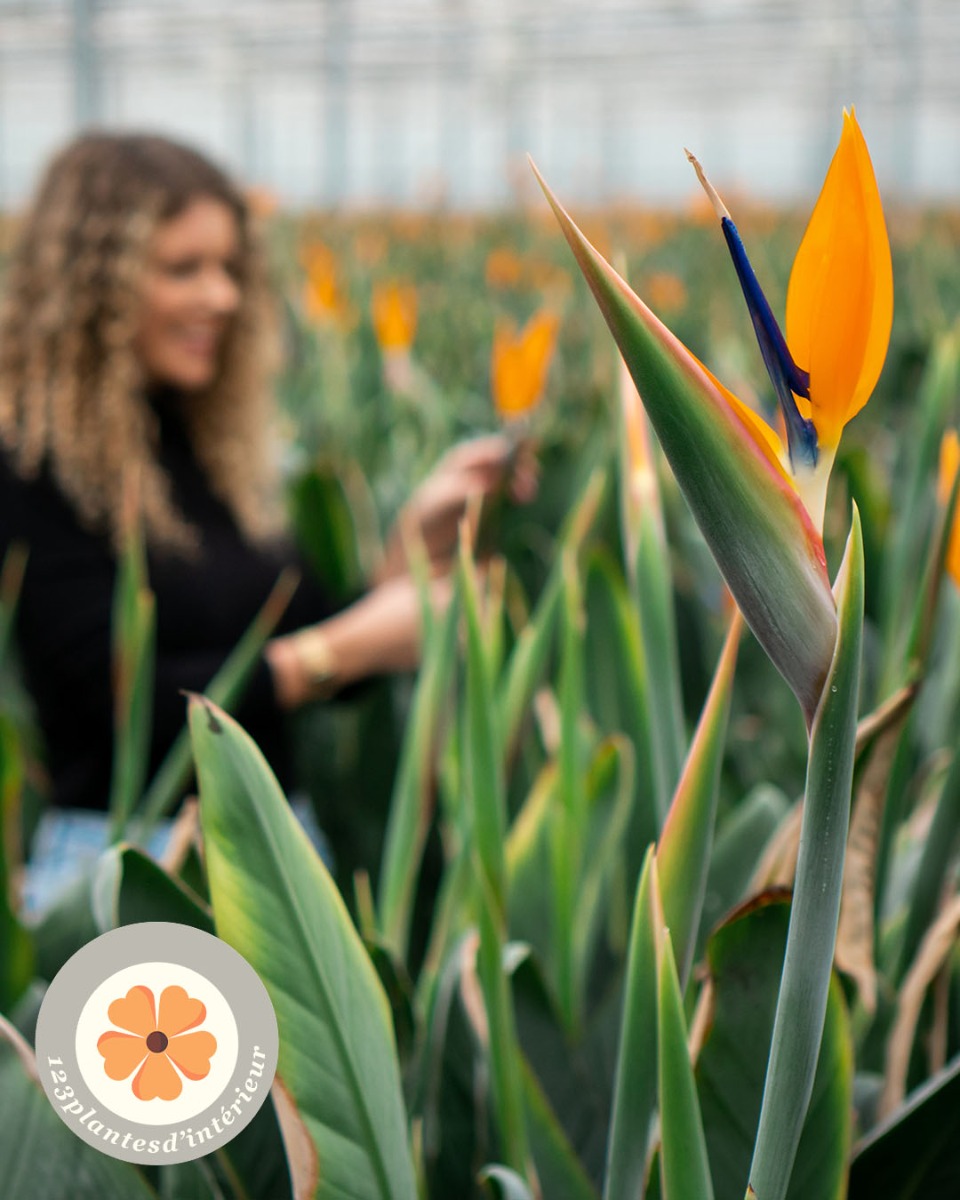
x=949 y=464
x=520 y=362
x=157 y=1042
x=666 y=292
x=394 y=315
x=504 y=268
x=323 y=299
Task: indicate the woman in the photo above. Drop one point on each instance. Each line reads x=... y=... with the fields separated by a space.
x=134 y=361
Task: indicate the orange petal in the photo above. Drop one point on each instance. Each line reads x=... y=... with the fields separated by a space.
x=178 y=1011
x=157 y=1079
x=395 y=315
x=949 y=464
x=840 y=298
x=136 y=1011
x=520 y=363
x=122 y=1053
x=192 y=1053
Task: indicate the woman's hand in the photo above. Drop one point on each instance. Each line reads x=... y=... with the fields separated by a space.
x=378 y=635
x=466 y=475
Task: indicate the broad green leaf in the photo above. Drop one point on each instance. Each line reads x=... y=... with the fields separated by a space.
x=755 y=524
x=801 y=1006
x=684 y=1168
x=128 y=887
x=275 y=903
x=745 y=956
x=683 y=852
x=635 y=1093
x=913 y=1154
x=42 y=1159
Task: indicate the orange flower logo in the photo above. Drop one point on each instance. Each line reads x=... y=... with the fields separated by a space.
x=158 y=1042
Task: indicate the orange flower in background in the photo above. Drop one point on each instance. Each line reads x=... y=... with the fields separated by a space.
x=323 y=299
x=666 y=292
x=949 y=464
x=157 y=1042
x=520 y=362
x=503 y=269
x=394 y=315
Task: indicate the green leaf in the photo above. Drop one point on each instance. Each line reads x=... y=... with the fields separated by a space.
x=755 y=524
x=529 y=895
x=225 y=689
x=453 y=1100
x=274 y=902
x=801 y=1006
x=411 y=804
x=17 y=954
x=913 y=1154
x=621 y=699
x=128 y=887
x=938 y=851
x=559 y=1171
x=635 y=1092
x=739 y=844
x=683 y=852
x=500 y=1183
x=654 y=599
x=569 y=815
x=134 y=630
x=41 y=1157
x=745 y=956
x=484 y=784
x=529 y=658
x=323 y=519
x=684 y=1167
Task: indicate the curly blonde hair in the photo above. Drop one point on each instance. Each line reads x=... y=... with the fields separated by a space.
x=73 y=396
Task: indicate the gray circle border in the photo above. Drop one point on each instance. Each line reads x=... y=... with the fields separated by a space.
x=147 y=942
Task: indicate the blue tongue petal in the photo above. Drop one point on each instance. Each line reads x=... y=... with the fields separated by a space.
x=787 y=378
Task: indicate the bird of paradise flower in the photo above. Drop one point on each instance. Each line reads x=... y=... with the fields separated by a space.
x=157 y=1040
x=760 y=503
x=519 y=364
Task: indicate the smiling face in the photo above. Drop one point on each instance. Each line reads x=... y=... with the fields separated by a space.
x=191 y=291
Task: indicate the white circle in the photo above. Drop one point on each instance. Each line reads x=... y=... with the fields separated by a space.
x=117 y=1095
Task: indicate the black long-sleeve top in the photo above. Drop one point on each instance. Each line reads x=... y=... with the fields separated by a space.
x=203 y=606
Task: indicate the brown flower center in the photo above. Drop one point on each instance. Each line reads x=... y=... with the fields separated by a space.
x=157 y=1042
